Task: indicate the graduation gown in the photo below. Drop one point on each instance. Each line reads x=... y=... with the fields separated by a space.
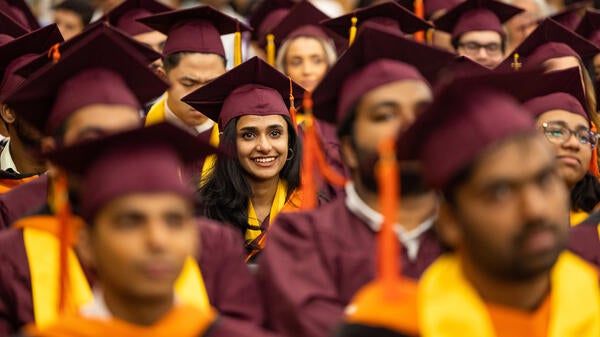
x=23 y=199
x=314 y=262
x=230 y=287
x=584 y=239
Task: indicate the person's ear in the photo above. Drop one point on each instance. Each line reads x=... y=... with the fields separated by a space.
x=7 y=114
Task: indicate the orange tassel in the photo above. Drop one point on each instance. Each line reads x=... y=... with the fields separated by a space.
x=309 y=190
x=237 y=46
x=328 y=173
x=594 y=161
x=271 y=49
x=292 y=107
x=62 y=210
x=387 y=171
x=54 y=53
x=352 y=34
x=420 y=12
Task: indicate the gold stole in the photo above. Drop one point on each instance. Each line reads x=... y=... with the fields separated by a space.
x=276 y=206
x=449 y=306
x=42 y=247
x=577 y=217
x=156 y=115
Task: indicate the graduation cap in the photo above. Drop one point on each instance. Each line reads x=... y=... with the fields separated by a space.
x=476 y=15
x=9 y=28
x=266 y=16
x=98 y=70
x=304 y=20
x=549 y=40
x=466 y=117
x=252 y=88
x=196 y=29
x=376 y=58
x=148 y=160
x=143 y=53
x=389 y=15
x=20 y=12
x=570 y=15
x=13 y=55
x=589 y=27
x=125 y=15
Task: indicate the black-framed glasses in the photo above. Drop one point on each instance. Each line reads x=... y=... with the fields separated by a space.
x=559 y=133
x=473 y=48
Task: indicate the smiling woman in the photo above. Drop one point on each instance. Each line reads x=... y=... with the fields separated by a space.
x=251 y=186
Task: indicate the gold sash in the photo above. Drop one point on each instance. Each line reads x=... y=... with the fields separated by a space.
x=449 y=306
x=276 y=206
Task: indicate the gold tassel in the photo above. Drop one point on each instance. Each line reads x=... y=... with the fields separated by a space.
x=271 y=49
x=237 y=46
x=516 y=65
x=352 y=36
x=54 y=53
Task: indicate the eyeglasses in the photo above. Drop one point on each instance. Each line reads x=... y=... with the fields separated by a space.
x=558 y=133
x=473 y=48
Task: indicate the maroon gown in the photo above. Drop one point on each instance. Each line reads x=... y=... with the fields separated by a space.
x=23 y=199
x=314 y=262
x=230 y=287
x=584 y=240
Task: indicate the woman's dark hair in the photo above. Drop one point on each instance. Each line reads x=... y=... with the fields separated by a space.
x=586 y=194
x=223 y=195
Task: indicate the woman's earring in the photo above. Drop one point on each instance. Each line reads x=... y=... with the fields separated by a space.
x=290 y=154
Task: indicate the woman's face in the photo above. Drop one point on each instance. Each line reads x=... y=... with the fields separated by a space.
x=306 y=62
x=262 y=145
x=572 y=155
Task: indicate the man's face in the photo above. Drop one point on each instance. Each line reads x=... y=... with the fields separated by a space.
x=69 y=23
x=98 y=120
x=138 y=244
x=483 y=47
x=381 y=114
x=194 y=71
x=510 y=218
x=155 y=40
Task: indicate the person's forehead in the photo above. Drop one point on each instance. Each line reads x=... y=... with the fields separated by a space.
x=408 y=89
x=249 y=121
x=570 y=119
x=481 y=36
x=515 y=159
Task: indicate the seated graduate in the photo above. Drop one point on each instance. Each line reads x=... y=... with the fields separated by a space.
x=250 y=188
x=140 y=237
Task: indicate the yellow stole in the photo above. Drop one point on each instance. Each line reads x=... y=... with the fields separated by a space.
x=156 y=115
x=276 y=206
x=42 y=247
x=577 y=217
x=449 y=306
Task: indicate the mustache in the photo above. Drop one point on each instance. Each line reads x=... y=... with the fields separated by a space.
x=534 y=227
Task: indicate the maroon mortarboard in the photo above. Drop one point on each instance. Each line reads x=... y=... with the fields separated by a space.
x=570 y=16
x=549 y=40
x=589 y=27
x=125 y=15
x=13 y=55
x=476 y=15
x=558 y=90
x=252 y=88
x=376 y=58
x=148 y=160
x=144 y=53
x=21 y=13
x=434 y=6
x=461 y=67
x=196 y=29
x=389 y=15
x=9 y=28
x=461 y=123
x=98 y=70
x=304 y=20
x=266 y=16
